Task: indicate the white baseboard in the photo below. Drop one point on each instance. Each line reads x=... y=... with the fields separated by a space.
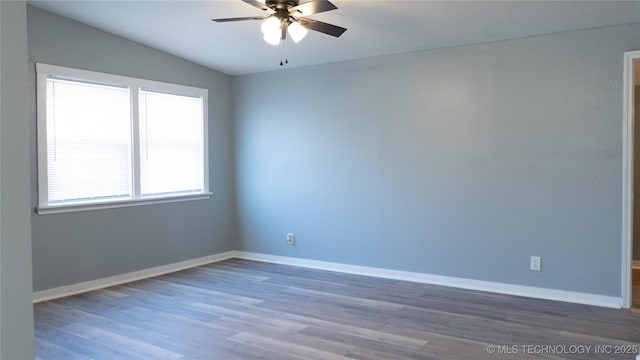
x=501 y=288
x=85 y=286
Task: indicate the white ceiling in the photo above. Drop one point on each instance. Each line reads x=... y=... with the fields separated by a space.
x=375 y=27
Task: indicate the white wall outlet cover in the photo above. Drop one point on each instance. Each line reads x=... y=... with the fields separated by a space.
x=536 y=263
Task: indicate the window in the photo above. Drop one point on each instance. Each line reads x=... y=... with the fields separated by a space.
x=106 y=140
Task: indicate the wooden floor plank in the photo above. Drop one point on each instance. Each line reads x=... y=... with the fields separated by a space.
x=360 y=332
x=130 y=345
x=240 y=309
x=285 y=347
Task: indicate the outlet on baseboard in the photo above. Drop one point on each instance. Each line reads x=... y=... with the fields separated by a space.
x=291 y=240
x=536 y=262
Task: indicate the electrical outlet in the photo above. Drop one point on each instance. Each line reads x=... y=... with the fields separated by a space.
x=291 y=240
x=535 y=263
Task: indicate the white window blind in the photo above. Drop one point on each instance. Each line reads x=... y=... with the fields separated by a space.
x=171 y=143
x=88 y=141
x=108 y=140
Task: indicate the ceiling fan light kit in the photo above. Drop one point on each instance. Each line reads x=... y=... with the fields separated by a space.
x=287 y=17
x=272 y=30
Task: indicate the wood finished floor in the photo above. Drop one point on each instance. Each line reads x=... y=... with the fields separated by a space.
x=240 y=309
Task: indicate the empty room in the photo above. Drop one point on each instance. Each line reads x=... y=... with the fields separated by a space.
x=343 y=179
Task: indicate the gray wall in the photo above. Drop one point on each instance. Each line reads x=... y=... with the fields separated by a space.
x=461 y=162
x=74 y=247
x=16 y=311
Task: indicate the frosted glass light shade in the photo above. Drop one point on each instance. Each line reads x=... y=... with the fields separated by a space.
x=297 y=31
x=271 y=25
x=272 y=38
x=271 y=28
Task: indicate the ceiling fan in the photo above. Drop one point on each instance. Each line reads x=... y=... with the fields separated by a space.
x=287 y=16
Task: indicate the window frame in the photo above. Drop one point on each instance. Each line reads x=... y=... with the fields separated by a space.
x=45 y=71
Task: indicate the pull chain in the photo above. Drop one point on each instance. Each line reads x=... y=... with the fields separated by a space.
x=284 y=50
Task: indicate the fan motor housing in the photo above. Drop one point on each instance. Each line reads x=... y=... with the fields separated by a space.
x=281 y=4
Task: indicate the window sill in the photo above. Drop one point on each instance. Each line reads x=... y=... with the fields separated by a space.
x=119 y=204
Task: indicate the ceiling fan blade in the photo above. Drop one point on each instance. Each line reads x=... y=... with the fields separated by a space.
x=240 y=18
x=257 y=4
x=312 y=7
x=322 y=27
